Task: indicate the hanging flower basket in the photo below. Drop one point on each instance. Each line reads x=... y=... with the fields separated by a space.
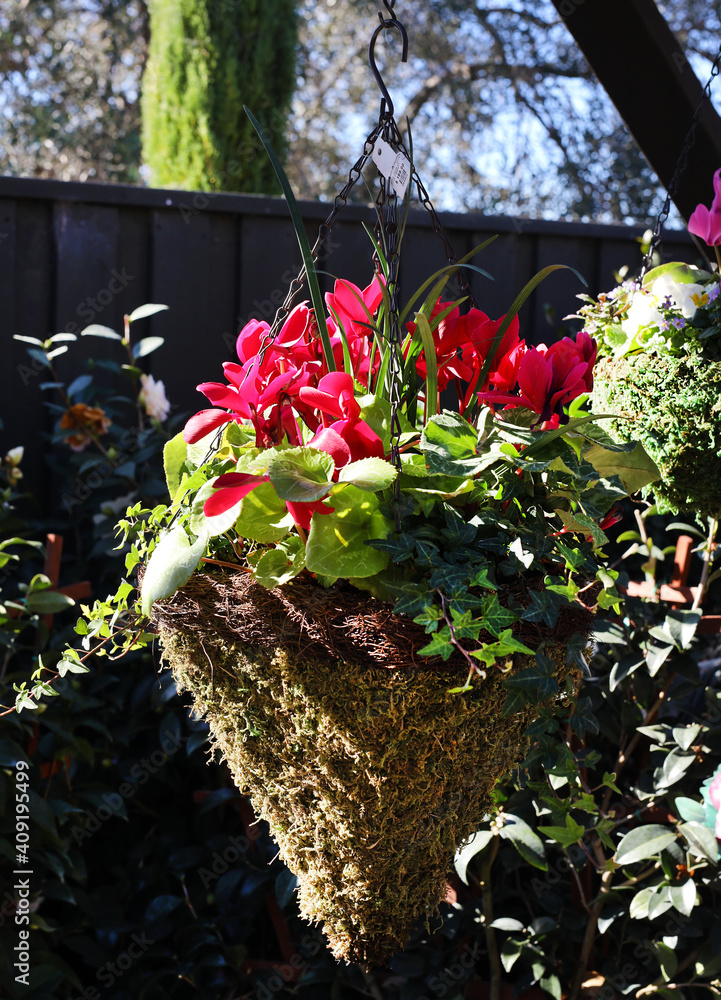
x=369 y=597
x=661 y=376
x=368 y=771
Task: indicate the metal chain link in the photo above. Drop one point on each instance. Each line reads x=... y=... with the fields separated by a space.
x=681 y=164
x=339 y=202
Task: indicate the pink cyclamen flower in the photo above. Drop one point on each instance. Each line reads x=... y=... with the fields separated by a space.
x=706 y=222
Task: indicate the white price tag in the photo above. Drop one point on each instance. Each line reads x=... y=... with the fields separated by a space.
x=395 y=167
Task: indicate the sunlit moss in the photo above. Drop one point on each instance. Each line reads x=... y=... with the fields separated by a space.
x=673 y=407
x=369 y=778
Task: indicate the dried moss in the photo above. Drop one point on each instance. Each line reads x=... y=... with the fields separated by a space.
x=369 y=777
x=673 y=407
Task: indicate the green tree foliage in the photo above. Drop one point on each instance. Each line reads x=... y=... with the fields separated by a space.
x=206 y=60
x=69 y=88
x=507 y=117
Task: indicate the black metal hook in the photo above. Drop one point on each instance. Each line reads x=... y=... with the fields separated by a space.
x=386 y=24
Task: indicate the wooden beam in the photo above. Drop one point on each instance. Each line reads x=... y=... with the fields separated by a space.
x=642 y=68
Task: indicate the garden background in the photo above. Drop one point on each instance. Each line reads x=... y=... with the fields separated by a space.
x=150 y=877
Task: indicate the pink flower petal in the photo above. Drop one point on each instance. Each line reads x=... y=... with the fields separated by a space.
x=203 y=423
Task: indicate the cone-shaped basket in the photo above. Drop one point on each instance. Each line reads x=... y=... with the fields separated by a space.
x=368 y=771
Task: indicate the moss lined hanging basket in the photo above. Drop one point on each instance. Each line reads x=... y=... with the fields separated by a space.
x=368 y=771
x=673 y=407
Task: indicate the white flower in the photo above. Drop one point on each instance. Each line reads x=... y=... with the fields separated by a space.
x=15 y=455
x=681 y=294
x=153 y=398
x=643 y=312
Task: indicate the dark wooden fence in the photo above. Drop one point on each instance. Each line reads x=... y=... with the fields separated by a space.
x=72 y=254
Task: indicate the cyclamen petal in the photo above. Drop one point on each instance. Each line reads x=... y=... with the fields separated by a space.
x=203 y=423
x=231 y=488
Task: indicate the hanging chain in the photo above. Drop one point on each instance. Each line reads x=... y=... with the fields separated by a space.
x=339 y=203
x=679 y=169
x=387 y=235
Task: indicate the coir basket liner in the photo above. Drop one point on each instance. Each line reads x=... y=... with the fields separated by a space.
x=368 y=771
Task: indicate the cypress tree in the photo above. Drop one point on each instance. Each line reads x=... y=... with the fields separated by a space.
x=208 y=58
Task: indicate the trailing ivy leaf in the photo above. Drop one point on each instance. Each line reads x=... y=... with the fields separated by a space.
x=414 y=597
x=579 y=521
x=337 y=542
x=506 y=646
x=573 y=558
x=429 y=617
x=644 y=842
x=301 y=475
x=495 y=616
x=172 y=562
x=370 y=474
x=399 y=547
x=449 y=445
x=440 y=645
x=543 y=607
x=533 y=684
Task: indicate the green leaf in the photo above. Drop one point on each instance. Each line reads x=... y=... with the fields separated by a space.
x=701 y=840
x=336 y=543
x=467 y=853
x=149 y=309
x=301 y=475
x=376 y=412
x=495 y=617
x=175 y=453
x=566 y=835
x=526 y=841
x=281 y=564
x=579 y=521
x=667 y=960
x=449 y=445
x=48 y=602
x=369 y=474
x=429 y=350
x=263 y=516
x=635 y=469
x=533 y=684
x=302 y=237
x=171 y=564
x=200 y=524
x=644 y=842
x=96 y=330
x=690 y=810
x=146 y=346
x=440 y=645
x=528 y=288
x=683 y=896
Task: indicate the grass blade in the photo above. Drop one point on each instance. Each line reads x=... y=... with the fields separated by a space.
x=302 y=237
